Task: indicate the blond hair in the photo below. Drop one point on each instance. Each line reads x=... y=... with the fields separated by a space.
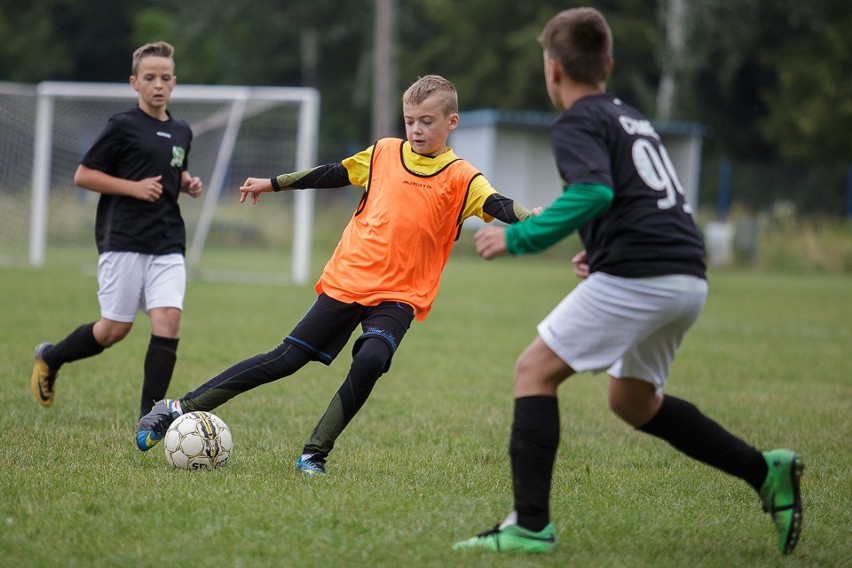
x=156 y=49
x=430 y=85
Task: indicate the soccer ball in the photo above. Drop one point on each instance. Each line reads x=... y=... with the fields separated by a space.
x=198 y=440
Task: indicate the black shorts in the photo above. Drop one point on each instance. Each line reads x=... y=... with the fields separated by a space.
x=329 y=324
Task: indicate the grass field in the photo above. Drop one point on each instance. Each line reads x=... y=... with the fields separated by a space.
x=425 y=462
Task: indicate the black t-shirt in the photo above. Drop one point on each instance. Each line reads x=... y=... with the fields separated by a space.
x=648 y=230
x=135 y=146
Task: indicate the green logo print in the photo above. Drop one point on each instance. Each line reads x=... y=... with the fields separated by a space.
x=178 y=154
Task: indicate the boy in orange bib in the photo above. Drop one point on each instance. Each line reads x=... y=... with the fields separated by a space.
x=384 y=273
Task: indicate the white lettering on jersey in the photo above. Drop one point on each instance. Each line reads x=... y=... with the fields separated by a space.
x=640 y=127
x=163 y=134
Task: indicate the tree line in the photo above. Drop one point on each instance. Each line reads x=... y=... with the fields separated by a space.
x=771 y=79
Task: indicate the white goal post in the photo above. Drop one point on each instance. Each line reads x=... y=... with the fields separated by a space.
x=226 y=110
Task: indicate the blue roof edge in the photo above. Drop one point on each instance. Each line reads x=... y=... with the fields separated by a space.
x=540 y=119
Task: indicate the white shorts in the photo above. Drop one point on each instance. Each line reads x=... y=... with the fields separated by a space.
x=630 y=327
x=131 y=281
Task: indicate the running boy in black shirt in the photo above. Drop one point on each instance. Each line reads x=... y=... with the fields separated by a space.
x=644 y=286
x=139 y=166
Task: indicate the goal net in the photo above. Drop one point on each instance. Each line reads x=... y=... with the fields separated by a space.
x=237 y=132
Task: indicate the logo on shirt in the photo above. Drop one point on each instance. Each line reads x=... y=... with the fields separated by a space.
x=178 y=155
x=417 y=184
x=641 y=127
x=164 y=134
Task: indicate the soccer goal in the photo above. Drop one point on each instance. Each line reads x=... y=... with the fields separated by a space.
x=237 y=132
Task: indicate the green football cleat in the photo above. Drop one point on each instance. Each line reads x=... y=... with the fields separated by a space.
x=780 y=496
x=513 y=539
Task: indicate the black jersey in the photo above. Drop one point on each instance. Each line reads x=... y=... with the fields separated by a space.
x=135 y=146
x=648 y=230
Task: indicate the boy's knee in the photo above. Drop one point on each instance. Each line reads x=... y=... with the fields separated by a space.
x=111 y=333
x=372 y=356
x=632 y=400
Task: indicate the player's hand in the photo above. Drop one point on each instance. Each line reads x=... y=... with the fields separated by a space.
x=537 y=210
x=148 y=189
x=193 y=186
x=581 y=267
x=254 y=187
x=491 y=242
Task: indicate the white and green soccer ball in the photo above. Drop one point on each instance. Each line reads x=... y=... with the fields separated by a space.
x=198 y=440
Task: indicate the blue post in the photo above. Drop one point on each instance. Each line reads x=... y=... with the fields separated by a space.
x=724 y=200
x=849 y=192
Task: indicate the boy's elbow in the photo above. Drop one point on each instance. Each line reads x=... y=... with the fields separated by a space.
x=79 y=176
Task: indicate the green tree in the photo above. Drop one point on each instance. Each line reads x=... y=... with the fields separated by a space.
x=32 y=56
x=771 y=77
x=489 y=49
x=810 y=110
x=267 y=43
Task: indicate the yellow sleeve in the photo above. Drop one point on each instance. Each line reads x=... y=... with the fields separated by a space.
x=358 y=167
x=480 y=189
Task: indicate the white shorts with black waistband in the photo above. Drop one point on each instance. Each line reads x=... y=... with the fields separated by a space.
x=130 y=281
x=630 y=327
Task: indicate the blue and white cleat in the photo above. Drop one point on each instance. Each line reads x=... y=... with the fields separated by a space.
x=311 y=464
x=153 y=426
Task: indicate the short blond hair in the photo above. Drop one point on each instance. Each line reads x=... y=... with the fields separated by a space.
x=430 y=85
x=155 y=49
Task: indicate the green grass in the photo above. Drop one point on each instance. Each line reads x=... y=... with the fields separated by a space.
x=424 y=463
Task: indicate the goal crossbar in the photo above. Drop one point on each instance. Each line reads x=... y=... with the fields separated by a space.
x=238 y=96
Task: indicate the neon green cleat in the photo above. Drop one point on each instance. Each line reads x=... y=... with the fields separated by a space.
x=780 y=496
x=512 y=538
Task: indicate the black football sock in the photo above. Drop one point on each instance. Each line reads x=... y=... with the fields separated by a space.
x=682 y=425
x=532 y=449
x=79 y=344
x=159 y=365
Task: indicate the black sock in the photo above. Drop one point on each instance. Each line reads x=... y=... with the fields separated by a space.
x=532 y=449
x=682 y=425
x=79 y=344
x=159 y=366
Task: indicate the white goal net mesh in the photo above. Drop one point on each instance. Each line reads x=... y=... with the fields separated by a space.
x=238 y=132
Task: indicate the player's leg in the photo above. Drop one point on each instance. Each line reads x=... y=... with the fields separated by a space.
x=774 y=475
x=160 y=357
x=384 y=326
x=635 y=394
x=533 y=444
x=255 y=371
x=165 y=288
x=319 y=336
x=582 y=333
x=535 y=431
x=119 y=290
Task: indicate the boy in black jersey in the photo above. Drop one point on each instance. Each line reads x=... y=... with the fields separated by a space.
x=139 y=166
x=644 y=285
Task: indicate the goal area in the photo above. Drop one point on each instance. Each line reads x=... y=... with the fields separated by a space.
x=238 y=132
